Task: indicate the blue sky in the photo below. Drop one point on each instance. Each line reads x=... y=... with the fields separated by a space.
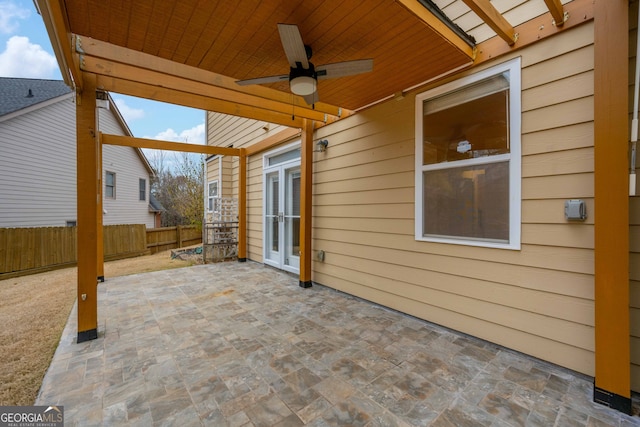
x=25 y=51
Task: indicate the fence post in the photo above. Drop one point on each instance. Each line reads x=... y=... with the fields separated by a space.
x=179 y=235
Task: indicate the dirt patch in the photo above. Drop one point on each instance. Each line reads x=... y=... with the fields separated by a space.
x=33 y=312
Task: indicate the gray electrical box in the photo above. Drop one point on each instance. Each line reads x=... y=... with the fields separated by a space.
x=575 y=210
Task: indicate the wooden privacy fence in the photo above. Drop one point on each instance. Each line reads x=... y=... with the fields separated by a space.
x=165 y=238
x=32 y=250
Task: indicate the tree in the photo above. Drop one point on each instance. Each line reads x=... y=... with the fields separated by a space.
x=179 y=186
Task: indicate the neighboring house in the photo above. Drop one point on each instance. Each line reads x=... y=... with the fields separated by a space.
x=38 y=160
x=156 y=207
x=447 y=202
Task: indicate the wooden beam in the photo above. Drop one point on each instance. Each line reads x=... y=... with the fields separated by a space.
x=556 y=10
x=99 y=216
x=202 y=102
x=272 y=141
x=612 y=385
x=87 y=199
x=306 y=197
x=435 y=23
x=579 y=12
x=130 y=141
x=494 y=19
x=242 y=206
x=224 y=97
x=54 y=15
x=141 y=60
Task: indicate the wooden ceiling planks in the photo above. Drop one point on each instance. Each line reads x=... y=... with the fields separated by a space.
x=120 y=26
x=137 y=25
x=202 y=13
x=241 y=40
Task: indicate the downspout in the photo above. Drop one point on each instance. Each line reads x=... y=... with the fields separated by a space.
x=634 y=121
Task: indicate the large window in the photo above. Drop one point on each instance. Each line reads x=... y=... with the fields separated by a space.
x=468 y=160
x=110 y=185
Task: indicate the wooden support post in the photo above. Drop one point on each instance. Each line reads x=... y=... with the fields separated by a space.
x=306 y=195
x=179 y=235
x=242 y=207
x=612 y=385
x=87 y=197
x=99 y=216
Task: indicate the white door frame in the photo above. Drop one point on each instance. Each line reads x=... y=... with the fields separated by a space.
x=267 y=168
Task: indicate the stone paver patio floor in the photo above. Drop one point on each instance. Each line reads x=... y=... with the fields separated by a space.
x=240 y=344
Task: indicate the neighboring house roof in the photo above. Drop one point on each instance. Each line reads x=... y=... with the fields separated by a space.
x=154 y=204
x=18 y=94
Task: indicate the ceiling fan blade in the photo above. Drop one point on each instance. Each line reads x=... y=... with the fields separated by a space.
x=346 y=68
x=261 y=80
x=311 y=99
x=293 y=45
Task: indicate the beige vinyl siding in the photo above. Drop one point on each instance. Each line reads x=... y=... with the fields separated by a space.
x=254 y=209
x=538 y=300
x=224 y=131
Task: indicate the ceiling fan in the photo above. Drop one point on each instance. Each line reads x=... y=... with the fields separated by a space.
x=303 y=75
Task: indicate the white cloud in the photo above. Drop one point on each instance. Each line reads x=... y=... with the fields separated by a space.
x=9 y=14
x=129 y=113
x=22 y=58
x=195 y=135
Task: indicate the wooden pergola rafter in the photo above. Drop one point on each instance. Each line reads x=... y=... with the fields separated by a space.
x=494 y=19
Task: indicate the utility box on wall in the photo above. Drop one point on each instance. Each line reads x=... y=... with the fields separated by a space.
x=575 y=210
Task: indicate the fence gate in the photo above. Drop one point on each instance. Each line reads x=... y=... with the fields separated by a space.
x=220 y=231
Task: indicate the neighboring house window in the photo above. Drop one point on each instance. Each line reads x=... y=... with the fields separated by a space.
x=143 y=189
x=468 y=160
x=212 y=194
x=110 y=185
x=72 y=223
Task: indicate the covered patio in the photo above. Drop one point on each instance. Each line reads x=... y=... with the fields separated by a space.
x=191 y=53
x=241 y=344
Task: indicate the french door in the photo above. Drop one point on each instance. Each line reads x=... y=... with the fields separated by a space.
x=282 y=216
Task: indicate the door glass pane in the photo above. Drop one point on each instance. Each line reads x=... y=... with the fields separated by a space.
x=292 y=217
x=271 y=220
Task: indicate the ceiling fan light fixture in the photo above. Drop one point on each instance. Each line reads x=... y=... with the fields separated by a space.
x=303 y=85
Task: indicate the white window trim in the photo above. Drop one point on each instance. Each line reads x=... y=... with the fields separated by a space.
x=514 y=157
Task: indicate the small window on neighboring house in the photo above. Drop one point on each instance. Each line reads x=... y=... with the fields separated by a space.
x=468 y=160
x=212 y=194
x=110 y=185
x=72 y=223
x=143 y=189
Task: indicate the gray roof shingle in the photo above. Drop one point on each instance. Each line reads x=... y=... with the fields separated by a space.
x=16 y=93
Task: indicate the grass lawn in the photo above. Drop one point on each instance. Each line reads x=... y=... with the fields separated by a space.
x=33 y=312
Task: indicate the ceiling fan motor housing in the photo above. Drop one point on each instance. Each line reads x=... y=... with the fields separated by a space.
x=303 y=81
